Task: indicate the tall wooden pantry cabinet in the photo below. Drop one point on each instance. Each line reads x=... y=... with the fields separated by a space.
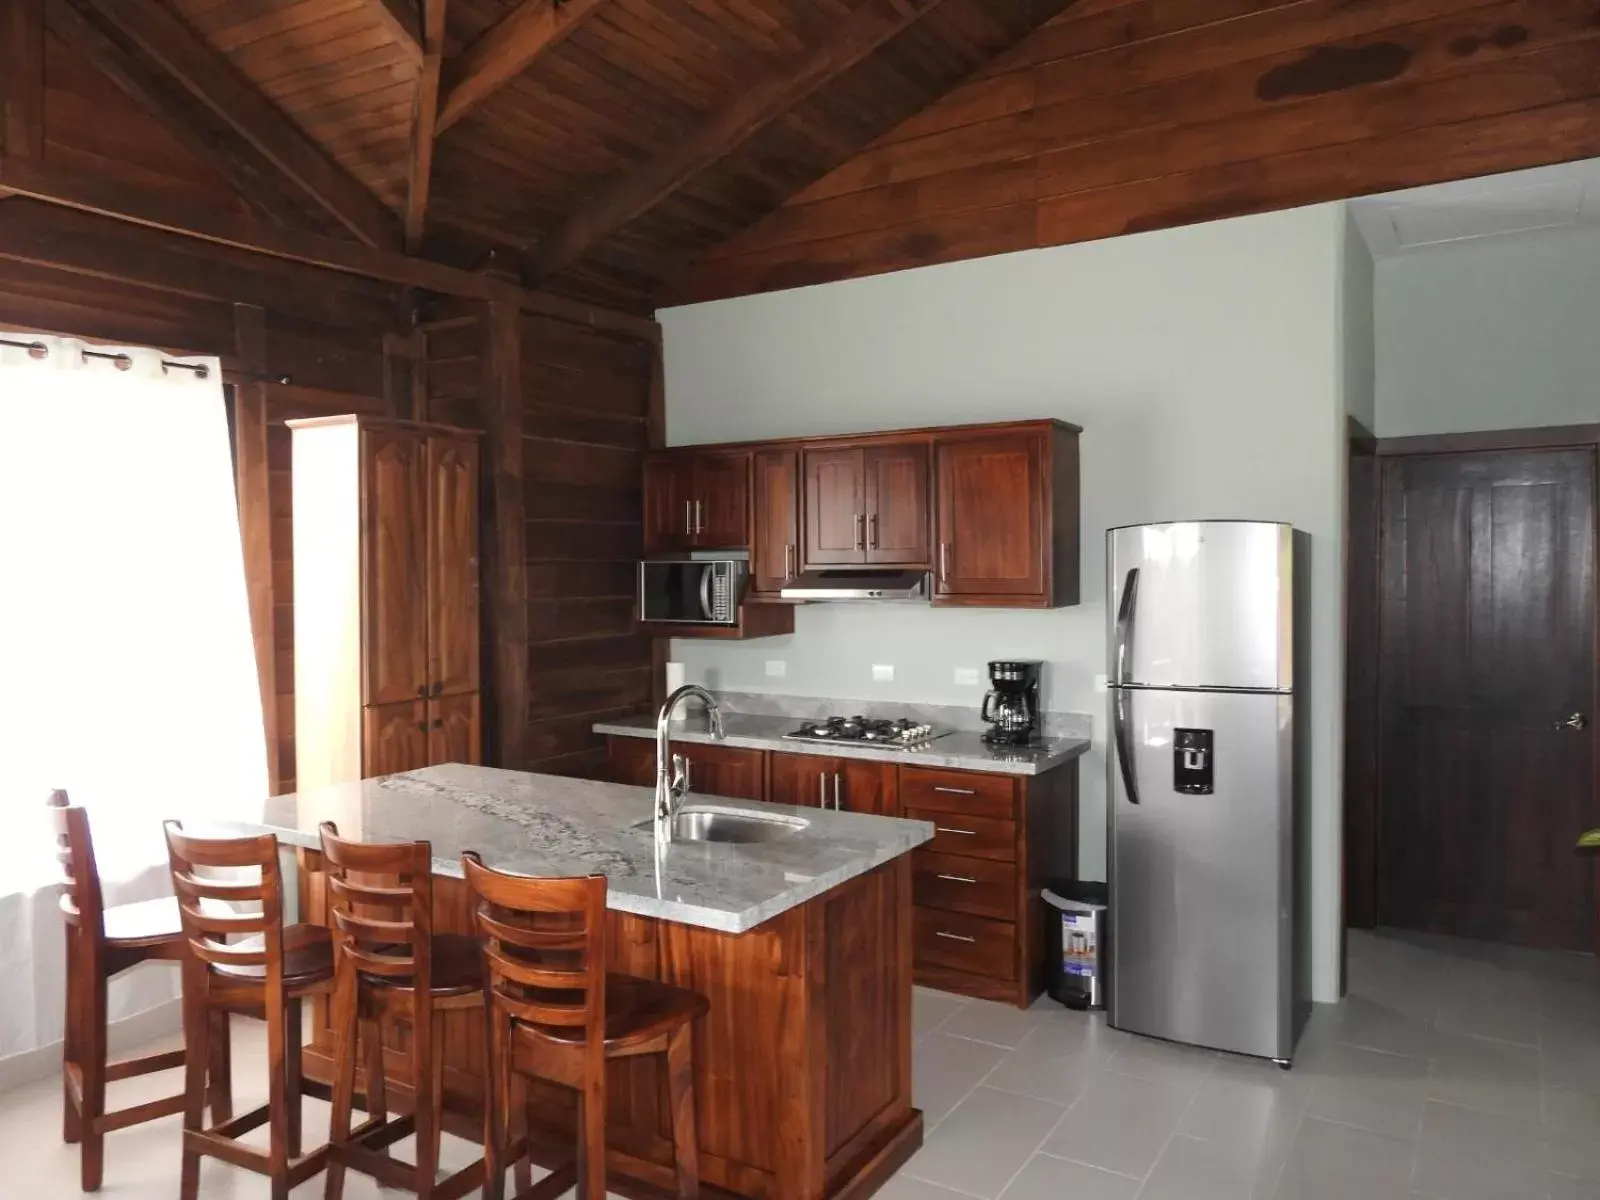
x=386 y=624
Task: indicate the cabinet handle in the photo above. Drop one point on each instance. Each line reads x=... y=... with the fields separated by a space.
x=954 y=937
x=422 y=690
x=688 y=768
x=949 y=791
x=872 y=531
x=422 y=727
x=861 y=531
x=822 y=791
x=944 y=562
x=688 y=517
x=438 y=723
x=788 y=561
x=963 y=832
x=956 y=878
x=836 y=791
x=699 y=518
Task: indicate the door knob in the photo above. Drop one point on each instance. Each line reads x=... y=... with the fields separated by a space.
x=1577 y=720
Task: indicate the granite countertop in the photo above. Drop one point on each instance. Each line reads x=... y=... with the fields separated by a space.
x=962 y=750
x=545 y=825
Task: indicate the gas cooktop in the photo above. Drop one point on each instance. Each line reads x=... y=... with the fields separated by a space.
x=865 y=731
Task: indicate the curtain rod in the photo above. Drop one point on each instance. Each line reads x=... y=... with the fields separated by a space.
x=124 y=362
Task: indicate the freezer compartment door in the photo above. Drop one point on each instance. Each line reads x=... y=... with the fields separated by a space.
x=1201 y=869
x=1205 y=604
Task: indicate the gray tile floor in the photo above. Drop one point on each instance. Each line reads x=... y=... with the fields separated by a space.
x=1454 y=1071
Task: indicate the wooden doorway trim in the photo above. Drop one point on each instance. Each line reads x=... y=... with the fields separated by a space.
x=1363 y=565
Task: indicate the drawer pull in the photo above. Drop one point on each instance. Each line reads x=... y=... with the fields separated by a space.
x=965 y=832
x=956 y=791
x=954 y=937
x=956 y=878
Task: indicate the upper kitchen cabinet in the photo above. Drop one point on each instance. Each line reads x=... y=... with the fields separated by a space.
x=1006 y=516
x=775 y=541
x=386 y=604
x=866 y=505
x=696 y=499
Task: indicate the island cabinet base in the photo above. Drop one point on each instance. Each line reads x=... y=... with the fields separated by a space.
x=802 y=1067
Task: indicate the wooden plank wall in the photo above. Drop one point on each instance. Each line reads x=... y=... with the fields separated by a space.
x=1128 y=115
x=585 y=426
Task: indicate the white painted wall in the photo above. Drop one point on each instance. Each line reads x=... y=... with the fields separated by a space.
x=1497 y=333
x=1205 y=367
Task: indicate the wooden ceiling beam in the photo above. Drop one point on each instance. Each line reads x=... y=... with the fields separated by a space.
x=401 y=19
x=159 y=210
x=213 y=80
x=508 y=49
x=724 y=131
x=424 y=123
x=22 y=78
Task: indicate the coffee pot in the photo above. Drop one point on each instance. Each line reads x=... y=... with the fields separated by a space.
x=1011 y=706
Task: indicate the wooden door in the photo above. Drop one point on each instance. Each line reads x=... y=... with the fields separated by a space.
x=725 y=770
x=668 y=502
x=835 y=507
x=394 y=578
x=867 y=787
x=897 y=505
x=455 y=728
x=1486 y=653
x=990 y=536
x=775 y=540
x=722 y=501
x=804 y=780
x=453 y=647
x=394 y=738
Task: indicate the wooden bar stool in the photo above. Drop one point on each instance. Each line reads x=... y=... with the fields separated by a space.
x=390 y=964
x=101 y=943
x=555 y=1014
x=266 y=975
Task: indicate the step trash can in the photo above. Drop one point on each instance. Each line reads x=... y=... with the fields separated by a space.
x=1079 y=944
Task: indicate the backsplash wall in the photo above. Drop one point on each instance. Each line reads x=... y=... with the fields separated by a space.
x=1205 y=368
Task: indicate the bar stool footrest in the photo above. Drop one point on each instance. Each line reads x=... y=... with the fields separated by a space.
x=242 y=1124
x=133 y=1067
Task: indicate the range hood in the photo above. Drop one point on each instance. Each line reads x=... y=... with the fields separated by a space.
x=856 y=583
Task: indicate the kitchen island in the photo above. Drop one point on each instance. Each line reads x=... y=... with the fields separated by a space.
x=802 y=945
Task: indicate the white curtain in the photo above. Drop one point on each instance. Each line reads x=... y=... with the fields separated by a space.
x=127 y=670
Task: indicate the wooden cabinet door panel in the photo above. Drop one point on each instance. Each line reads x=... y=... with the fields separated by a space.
x=722 y=501
x=804 y=780
x=631 y=761
x=394 y=535
x=835 y=508
x=867 y=787
x=455 y=729
x=775 y=540
x=991 y=521
x=897 y=505
x=668 y=502
x=453 y=648
x=725 y=771
x=394 y=738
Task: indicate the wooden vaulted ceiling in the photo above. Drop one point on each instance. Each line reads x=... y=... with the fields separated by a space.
x=593 y=148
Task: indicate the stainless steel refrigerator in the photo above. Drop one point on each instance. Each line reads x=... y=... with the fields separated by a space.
x=1201 y=785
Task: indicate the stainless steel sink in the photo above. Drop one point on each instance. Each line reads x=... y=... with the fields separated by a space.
x=704 y=824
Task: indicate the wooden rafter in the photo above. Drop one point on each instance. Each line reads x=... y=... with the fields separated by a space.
x=22 y=78
x=725 y=130
x=507 y=50
x=211 y=79
x=424 y=122
x=401 y=19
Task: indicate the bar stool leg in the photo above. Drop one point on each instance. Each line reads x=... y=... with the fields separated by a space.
x=427 y=1104
x=220 y=1096
x=680 y=1088
x=93 y=1033
x=294 y=1029
x=195 y=1023
x=71 y=1043
x=277 y=1097
x=345 y=1051
x=372 y=1047
x=592 y=1140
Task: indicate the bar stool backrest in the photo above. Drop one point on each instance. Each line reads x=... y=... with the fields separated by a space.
x=81 y=899
x=380 y=897
x=213 y=898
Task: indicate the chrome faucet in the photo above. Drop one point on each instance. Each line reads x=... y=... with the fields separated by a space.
x=672 y=775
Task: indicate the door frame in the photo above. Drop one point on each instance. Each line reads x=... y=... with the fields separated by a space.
x=1363 y=773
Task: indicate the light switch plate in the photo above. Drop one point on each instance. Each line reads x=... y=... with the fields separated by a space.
x=777 y=668
x=967 y=675
x=882 y=673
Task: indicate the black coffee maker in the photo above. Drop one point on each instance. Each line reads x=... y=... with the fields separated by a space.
x=1012 y=705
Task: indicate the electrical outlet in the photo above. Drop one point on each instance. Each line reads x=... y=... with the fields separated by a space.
x=967 y=675
x=777 y=668
x=882 y=673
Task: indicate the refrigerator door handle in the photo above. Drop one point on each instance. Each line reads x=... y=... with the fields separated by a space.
x=1119 y=729
x=1124 y=638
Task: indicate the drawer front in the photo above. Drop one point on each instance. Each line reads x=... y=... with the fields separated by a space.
x=972 y=792
x=979 y=887
x=968 y=836
x=964 y=943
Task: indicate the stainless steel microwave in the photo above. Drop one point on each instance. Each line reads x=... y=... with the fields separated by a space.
x=689 y=591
